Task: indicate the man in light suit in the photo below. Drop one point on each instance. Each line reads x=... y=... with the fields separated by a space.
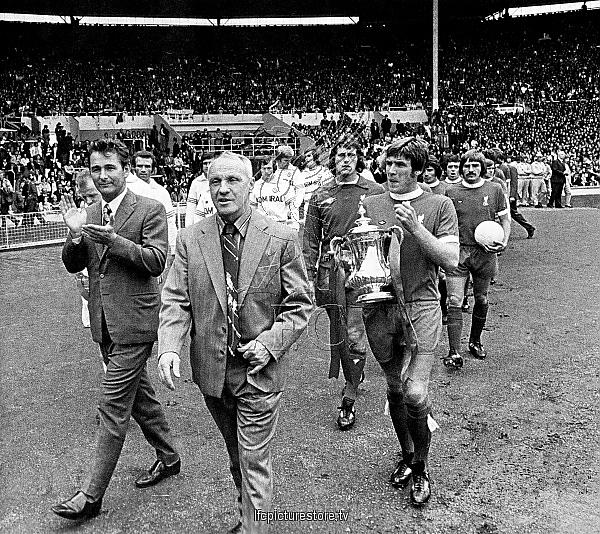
x=122 y=241
x=238 y=287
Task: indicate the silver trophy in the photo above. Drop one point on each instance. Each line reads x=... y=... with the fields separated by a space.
x=368 y=260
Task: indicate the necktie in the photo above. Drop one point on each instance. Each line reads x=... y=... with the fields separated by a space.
x=106 y=215
x=230 y=248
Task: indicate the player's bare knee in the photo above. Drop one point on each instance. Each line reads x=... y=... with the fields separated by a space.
x=415 y=394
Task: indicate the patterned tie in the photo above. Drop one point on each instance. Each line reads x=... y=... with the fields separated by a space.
x=231 y=260
x=106 y=215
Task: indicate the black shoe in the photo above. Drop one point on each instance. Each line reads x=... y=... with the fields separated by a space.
x=477 y=350
x=401 y=475
x=420 y=490
x=72 y=509
x=465 y=305
x=530 y=232
x=347 y=416
x=492 y=281
x=237 y=529
x=453 y=359
x=158 y=472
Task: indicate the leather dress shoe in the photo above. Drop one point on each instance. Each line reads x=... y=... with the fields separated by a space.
x=477 y=350
x=158 y=472
x=78 y=507
x=237 y=529
x=347 y=416
x=420 y=490
x=401 y=475
x=453 y=359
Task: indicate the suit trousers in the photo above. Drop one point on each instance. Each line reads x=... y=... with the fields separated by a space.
x=126 y=391
x=247 y=419
x=556 y=194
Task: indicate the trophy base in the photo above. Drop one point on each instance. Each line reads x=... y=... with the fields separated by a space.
x=371 y=298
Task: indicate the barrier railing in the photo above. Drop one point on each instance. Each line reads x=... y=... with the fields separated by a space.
x=251 y=147
x=21 y=230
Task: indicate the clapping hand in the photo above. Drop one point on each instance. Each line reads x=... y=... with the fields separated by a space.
x=407 y=216
x=104 y=235
x=73 y=216
x=256 y=354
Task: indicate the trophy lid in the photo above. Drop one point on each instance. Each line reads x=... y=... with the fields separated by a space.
x=363 y=224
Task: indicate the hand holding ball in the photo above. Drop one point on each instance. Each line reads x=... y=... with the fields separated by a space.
x=490 y=235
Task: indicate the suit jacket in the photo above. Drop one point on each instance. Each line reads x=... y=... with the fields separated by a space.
x=122 y=278
x=273 y=298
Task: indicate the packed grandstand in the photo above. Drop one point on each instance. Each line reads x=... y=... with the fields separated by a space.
x=526 y=86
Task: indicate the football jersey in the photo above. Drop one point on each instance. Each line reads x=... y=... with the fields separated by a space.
x=475 y=204
x=439 y=188
x=313 y=179
x=199 y=202
x=276 y=200
x=418 y=273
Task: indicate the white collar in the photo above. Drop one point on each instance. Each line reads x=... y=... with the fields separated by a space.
x=433 y=184
x=115 y=202
x=473 y=186
x=453 y=181
x=411 y=195
x=351 y=182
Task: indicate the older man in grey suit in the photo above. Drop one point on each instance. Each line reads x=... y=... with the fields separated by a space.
x=239 y=287
x=122 y=241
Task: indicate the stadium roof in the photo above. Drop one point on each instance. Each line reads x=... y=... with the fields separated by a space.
x=214 y=9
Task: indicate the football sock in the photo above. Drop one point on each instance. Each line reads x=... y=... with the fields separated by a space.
x=478 y=320
x=455 y=323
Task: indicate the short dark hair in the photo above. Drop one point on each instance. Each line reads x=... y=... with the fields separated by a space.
x=348 y=142
x=453 y=158
x=413 y=149
x=144 y=154
x=111 y=146
x=473 y=155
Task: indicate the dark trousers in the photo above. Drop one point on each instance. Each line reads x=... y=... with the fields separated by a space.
x=126 y=391
x=556 y=194
x=518 y=218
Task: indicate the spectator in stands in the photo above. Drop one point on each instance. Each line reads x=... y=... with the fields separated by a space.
x=32 y=205
x=7 y=196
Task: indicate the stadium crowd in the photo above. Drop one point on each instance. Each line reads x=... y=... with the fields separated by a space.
x=545 y=67
x=286 y=69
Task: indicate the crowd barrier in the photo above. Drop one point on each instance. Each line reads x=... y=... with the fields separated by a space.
x=22 y=230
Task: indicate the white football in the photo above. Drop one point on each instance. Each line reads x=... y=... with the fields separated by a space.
x=488 y=233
